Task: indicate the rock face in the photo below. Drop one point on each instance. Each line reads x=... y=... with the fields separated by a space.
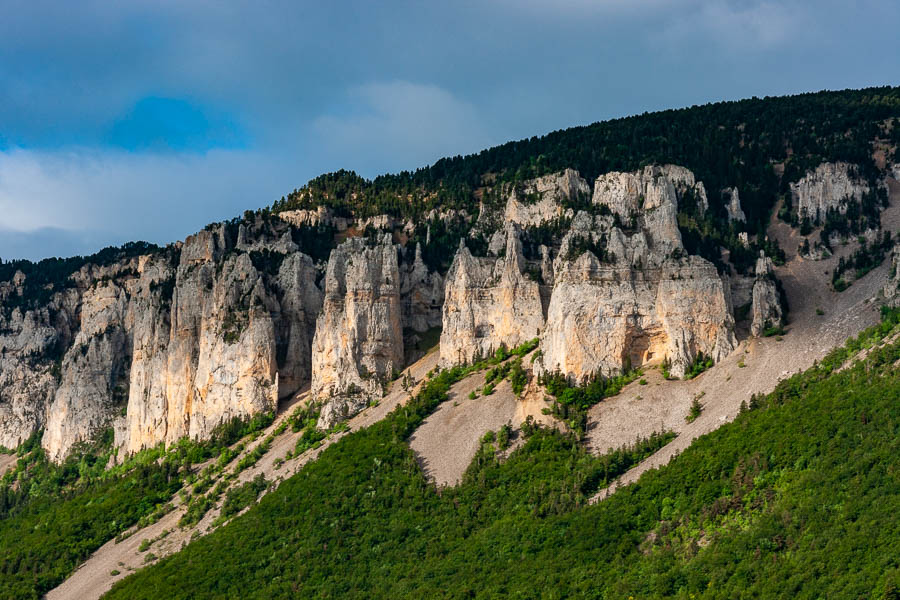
x=892 y=287
x=161 y=346
x=489 y=301
x=94 y=372
x=541 y=200
x=733 y=204
x=217 y=348
x=644 y=299
x=320 y=216
x=624 y=291
x=27 y=387
x=649 y=199
x=829 y=187
x=422 y=294
x=766 y=308
x=359 y=337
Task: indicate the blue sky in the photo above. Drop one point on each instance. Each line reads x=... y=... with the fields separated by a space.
x=147 y=120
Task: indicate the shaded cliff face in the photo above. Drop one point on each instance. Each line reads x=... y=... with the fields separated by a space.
x=489 y=301
x=733 y=204
x=422 y=295
x=829 y=187
x=892 y=287
x=27 y=384
x=358 y=343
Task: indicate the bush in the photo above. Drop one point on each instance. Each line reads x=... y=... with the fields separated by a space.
x=695 y=411
x=700 y=364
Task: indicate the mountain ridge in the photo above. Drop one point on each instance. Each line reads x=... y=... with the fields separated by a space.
x=578 y=292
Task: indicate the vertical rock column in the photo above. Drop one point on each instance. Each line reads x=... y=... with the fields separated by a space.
x=358 y=343
x=488 y=302
x=766 y=308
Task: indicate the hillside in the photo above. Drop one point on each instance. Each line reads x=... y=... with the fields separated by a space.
x=451 y=363
x=797 y=497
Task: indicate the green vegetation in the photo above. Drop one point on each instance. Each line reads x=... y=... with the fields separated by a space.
x=240 y=497
x=698 y=365
x=773 y=330
x=726 y=143
x=863 y=260
x=571 y=401
x=797 y=497
x=695 y=411
x=52 y=516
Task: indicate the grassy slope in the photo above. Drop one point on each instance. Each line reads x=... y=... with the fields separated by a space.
x=798 y=497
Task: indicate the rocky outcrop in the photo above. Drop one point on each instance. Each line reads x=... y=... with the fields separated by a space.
x=358 y=343
x=160 y=346
x=648 y=200
x=766 y=308
x=625 y=297
x=488 y=302
x=829 y=187
x=540 y=200
x=652 y=187
x=94 y=372
x=733 y=204
x=892 y=286
x=606 y=318
x=228 y=342
x=422 y=295
x=624 y=291
x=320 y=216
x=27 y=385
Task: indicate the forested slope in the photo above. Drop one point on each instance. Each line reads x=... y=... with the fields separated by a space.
x=798 y=497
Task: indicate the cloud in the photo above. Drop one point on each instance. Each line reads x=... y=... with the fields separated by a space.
x=747 y=27
x=399 y=125
x=97 y=198
x=266 y=99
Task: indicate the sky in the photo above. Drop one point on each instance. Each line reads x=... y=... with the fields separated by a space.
x=149 y=119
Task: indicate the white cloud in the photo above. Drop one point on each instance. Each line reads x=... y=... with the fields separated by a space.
x=401 y=125
x=111 y=196
x=86 y=198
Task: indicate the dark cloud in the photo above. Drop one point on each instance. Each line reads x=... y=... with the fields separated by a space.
x=264 y=95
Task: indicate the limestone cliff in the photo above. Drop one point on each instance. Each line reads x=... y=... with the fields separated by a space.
x=94 y=372
x=892 y=286
x=542 y=199
x=489 y=301
x=161 y=346
x=733 y=204
x=766 y=309
x=623 y=297
x=829 y=187
x=624 y=291
x=358 y=343
x=27 y=385
x=648 y=199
